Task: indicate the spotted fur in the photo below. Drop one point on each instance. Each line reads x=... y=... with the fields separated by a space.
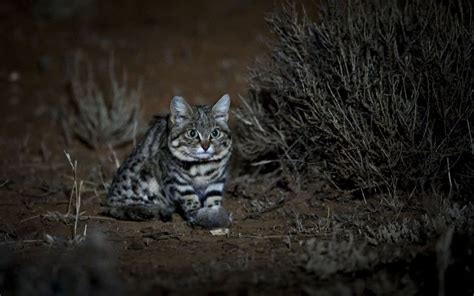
x=180 y=165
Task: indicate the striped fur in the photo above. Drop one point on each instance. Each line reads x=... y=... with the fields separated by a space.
x=181 y=165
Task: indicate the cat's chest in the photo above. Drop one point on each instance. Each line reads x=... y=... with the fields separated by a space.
x=204 y=174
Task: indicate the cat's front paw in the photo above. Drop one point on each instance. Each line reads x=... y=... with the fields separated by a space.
x=213 y=217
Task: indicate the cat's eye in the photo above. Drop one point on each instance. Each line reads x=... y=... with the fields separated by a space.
x=215 y=133
x=192 y=133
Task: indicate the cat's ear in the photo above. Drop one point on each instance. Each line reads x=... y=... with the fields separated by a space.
x=180 y=110
x=220 y=110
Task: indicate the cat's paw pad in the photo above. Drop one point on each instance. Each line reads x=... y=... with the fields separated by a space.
x=213 y=217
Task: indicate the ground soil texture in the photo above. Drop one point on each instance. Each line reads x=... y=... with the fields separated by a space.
x=201 y=51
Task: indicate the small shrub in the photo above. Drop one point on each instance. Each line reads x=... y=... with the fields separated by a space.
x=325 y=258
x=408 y=231
x=376 y=95
x=99 y=122
x=398 y=242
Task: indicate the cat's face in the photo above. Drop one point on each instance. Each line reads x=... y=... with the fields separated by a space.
x=199 y=133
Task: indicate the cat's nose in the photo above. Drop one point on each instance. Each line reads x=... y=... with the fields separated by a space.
x=205 y=145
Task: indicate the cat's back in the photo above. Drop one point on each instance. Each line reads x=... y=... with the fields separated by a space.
x=153 y=139
x=134 y=178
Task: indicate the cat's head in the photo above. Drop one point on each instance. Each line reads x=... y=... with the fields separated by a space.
x=199 y=133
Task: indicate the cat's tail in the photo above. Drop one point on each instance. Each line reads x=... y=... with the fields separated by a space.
x=135 y=212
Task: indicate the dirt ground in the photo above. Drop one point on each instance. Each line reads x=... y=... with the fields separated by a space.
x=200 y=50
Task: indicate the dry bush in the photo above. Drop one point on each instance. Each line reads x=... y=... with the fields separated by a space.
x=99 y=121
x=375 y=95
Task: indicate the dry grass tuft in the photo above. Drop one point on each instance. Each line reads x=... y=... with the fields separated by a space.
x=76 y=196
x=100 y=122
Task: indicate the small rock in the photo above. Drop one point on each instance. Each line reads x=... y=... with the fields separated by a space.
x=220 y=231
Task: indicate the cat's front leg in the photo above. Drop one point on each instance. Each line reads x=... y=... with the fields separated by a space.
x=213 y=194
x=190 y=204
x=211 y=215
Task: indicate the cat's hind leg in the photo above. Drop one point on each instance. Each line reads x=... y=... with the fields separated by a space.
x=136 y=195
